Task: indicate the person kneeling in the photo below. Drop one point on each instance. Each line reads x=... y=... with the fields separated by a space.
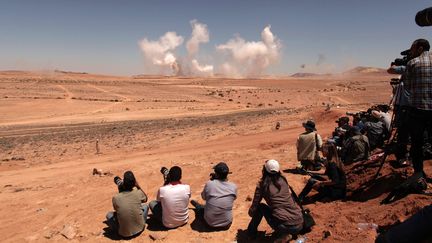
x=281 y=212
x=334 y=186
x=130 y=214
x=219 y=194
x=171 y=206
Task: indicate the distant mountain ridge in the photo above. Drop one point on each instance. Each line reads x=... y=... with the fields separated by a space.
x=365 y=70
x=356 y=70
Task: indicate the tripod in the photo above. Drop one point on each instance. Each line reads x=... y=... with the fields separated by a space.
x=393 y=129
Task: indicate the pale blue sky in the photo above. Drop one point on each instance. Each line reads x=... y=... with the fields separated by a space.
x=102 y=36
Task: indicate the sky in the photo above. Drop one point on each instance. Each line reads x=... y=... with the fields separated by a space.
x=104 y=36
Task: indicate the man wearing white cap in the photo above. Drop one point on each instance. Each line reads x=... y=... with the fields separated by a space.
x=281 y=212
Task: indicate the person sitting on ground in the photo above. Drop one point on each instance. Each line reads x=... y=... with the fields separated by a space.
x=281 y=212
x=382 y=113
x=340 y=131
x=219 y=194
x=130 y=213
x=356 y=147
x=308 y=145
x=171 y=205
x=376 y=132
x=333 y=183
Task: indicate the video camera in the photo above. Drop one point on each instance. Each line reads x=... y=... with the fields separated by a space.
x=402 y=61
x=119 y=182
x=165 y=173
x=361 y=115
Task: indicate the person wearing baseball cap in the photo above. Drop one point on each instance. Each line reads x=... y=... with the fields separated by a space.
x=308 y=145
x=219 y=194
x=281 y=212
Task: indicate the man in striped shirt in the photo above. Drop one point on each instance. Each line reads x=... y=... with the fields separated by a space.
x=419 y=84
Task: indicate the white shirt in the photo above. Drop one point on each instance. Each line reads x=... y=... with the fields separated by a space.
x=175 y=201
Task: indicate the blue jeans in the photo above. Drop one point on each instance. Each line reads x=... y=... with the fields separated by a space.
x=156 y=208
x=112 y=222
x=265 y=211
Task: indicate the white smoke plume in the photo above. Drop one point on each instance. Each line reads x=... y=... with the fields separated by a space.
x=160 y=53
x=250 y=58
x=201 y=70
x=243 y=58
x=200 y=34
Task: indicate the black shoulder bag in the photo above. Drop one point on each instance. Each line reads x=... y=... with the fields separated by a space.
x=308 y=220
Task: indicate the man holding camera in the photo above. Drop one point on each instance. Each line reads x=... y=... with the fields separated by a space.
x=219 y=194
x=171 y=206
x=130 y=213
x=419 y=84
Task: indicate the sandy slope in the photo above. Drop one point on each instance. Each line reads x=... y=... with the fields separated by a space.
x=52 y=121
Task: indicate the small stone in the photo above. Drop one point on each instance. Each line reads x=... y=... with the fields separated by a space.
x=48 y=234
x=158 y=235
x=18 y=158
x=40 y=210
x=326 y=234
x=248 y=198
x=97 y=172
x=68 y=231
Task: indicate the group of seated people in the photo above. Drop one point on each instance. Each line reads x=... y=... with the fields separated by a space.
x=282 y=210
x=171 y=205
x=354 y=141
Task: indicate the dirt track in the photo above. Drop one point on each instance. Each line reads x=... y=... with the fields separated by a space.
x=48 y=148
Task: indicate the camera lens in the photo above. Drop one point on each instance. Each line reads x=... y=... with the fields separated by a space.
x=118 y=181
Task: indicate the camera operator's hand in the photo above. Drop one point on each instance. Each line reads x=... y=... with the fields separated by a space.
x=396 y=69
x=137 y=185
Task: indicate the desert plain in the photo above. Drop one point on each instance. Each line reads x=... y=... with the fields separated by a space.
x=51 y=121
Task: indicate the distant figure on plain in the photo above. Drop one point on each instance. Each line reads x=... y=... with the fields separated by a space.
x=97 y=146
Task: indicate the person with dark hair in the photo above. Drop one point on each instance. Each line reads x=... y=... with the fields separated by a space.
x=376 y=132
x=355 y=147
x=419 y=84
x=171 y=205
x=219 y=195
x=338 y=134
x=333 y=183
x=308 y=145
x=131 y=211
x=281 y=212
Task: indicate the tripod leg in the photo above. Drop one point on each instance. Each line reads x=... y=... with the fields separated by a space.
x=382 y=164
